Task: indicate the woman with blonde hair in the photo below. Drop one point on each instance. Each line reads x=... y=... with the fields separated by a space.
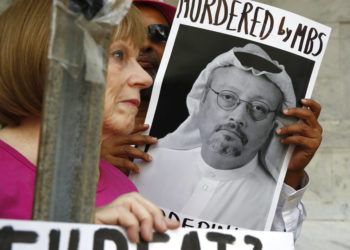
x=24 y=29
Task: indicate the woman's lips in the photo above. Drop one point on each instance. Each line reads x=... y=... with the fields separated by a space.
x=133 y=102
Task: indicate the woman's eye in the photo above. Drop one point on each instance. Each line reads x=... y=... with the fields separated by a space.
x=118 y=55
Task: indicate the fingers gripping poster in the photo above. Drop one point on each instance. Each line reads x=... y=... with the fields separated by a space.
x=229 y=70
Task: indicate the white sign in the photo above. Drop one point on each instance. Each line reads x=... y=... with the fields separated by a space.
x=34 y=235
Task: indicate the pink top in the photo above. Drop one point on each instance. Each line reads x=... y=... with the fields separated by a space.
x=17 y=184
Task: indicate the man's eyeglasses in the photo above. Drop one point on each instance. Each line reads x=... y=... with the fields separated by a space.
x=158 y=32
x=229 y=100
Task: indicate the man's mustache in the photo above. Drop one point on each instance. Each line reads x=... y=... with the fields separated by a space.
x=233 y=127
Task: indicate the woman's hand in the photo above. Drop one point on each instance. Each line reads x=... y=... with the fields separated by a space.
x=137 y=215
x=120 y=152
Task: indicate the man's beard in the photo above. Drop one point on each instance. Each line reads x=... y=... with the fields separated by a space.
x=221 y=145
x=228 y=140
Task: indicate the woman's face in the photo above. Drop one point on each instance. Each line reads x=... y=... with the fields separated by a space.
x=125 y=79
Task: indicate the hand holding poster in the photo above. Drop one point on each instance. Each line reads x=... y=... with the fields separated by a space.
x=229 y=69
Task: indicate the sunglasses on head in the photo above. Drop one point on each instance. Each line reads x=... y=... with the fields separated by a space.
x=158 y=32
x=257 y=62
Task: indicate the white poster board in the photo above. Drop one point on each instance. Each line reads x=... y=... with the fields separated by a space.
x=34 y=235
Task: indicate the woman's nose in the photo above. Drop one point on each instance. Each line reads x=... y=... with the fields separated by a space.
x=139 y=78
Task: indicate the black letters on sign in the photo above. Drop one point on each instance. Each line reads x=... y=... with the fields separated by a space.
x=157 y=237
x=54 y=239
x=251 y=240
x=74 y=239
x=109 y=234
x=191 y=241
x=8 y=236
x=55 y=235
x=221 y=239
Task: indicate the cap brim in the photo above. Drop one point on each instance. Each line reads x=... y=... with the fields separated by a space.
x=166 y=9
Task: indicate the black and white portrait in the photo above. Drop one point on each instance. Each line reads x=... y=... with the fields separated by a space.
x=219 y=157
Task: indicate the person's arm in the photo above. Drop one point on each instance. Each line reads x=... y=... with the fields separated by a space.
x=120 y=152
x=290 y=212
x=137 y=215
x=306 y=135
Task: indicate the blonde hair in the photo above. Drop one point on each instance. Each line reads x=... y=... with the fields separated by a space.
x=24 y=29
x=131 y=28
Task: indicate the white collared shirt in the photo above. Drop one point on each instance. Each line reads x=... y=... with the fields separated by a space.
x=181 y=181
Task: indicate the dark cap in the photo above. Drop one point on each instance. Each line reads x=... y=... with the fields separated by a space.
x=166 y=9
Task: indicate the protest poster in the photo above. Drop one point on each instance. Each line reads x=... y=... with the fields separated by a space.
x=228 y=70
x=34 y=235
